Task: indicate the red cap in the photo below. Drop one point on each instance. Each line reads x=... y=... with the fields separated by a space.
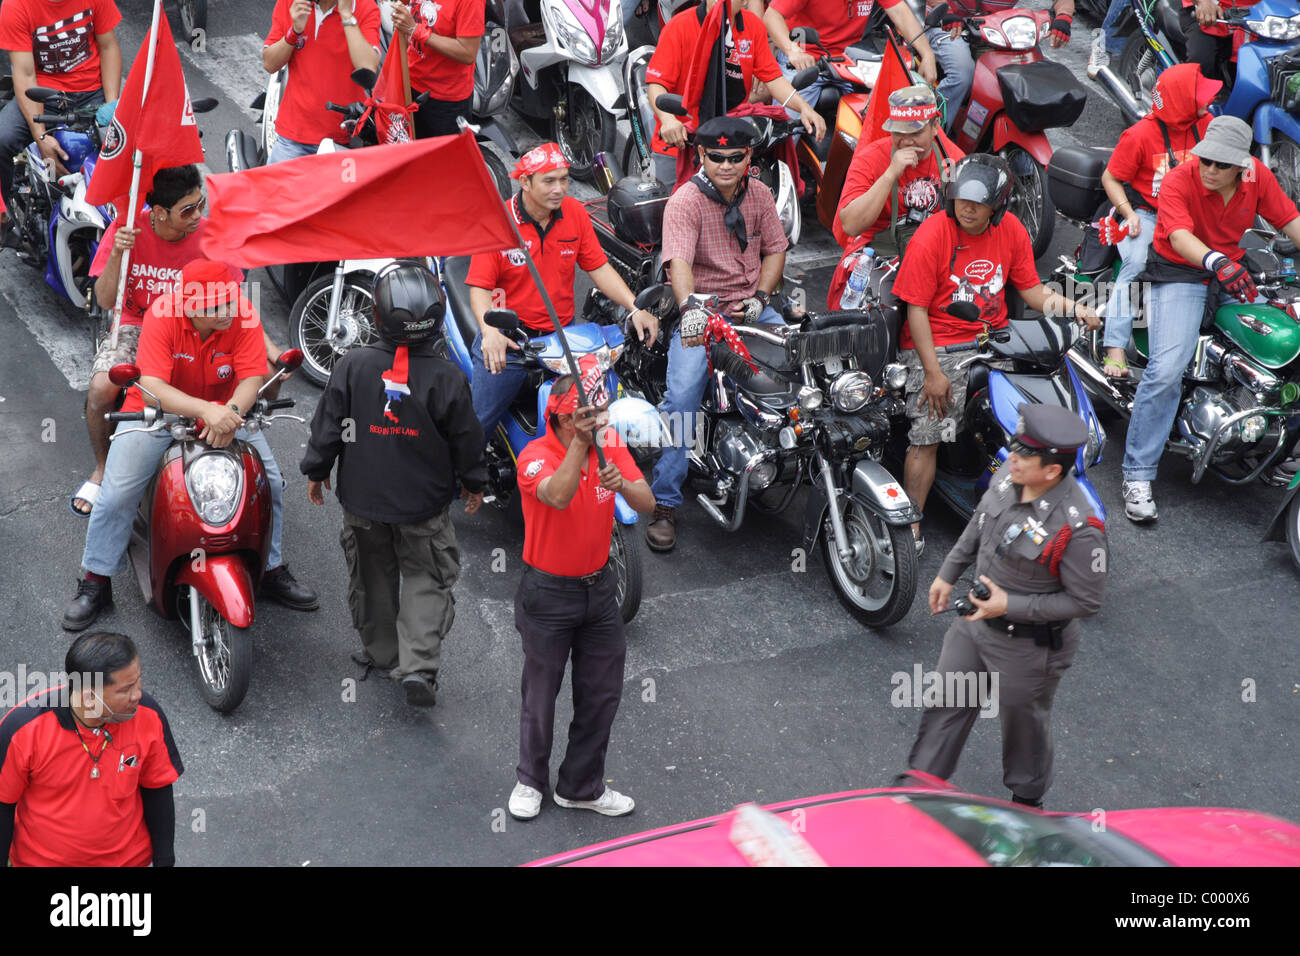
x=206 y=284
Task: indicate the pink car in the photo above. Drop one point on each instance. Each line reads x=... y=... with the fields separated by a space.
x=938 y=825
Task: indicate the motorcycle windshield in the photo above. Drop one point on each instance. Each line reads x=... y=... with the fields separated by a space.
x=1039 y=341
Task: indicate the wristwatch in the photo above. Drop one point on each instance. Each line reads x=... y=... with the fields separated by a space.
x=350 y=22
x=235 y=408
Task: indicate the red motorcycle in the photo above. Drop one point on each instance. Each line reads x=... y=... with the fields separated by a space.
x=201 y=536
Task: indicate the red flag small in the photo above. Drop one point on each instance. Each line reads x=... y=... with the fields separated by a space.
x=892 y=76
x=392 y=119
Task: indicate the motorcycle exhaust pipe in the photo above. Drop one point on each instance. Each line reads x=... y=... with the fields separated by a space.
x=1119 y=91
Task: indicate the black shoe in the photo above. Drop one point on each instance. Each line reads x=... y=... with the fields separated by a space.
x=279 y=585
x=420 y=689
x=362 y=658
x=92 y=597
x=1036 y=804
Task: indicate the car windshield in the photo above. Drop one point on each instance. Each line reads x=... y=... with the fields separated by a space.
x=1003 y=836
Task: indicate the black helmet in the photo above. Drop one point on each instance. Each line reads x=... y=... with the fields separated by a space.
x=408 y=302
x=636 y=209
x=982 y=178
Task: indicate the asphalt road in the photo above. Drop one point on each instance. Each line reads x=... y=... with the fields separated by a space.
x=745 y=679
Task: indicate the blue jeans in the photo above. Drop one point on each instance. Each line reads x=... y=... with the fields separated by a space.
x=1173 y=326
x=1133 y=262
x=289 y=149
x=1114 y=42
x=688 y=372
x=953 y=55
x=812 y=93
x=492 y=394
x=132 y=461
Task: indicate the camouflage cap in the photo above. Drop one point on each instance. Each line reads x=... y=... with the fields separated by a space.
x=910 y=109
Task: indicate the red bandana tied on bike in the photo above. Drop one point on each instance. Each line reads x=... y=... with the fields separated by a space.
x=720 y=330
x=539 y=159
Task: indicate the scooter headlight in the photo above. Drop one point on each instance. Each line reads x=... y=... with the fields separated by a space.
x=613 y=33
x=851 y=391
x=994 y=36
x=1275 y=28
x=788 y=208
x=1096 y=438
x=215 y=482
x=571 y=35
x=1021 y=33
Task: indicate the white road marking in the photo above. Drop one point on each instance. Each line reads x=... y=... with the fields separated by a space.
x=61 y=329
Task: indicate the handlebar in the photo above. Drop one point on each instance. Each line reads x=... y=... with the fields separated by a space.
x=273 y=404
x=336 y=108
x=125 y=416
x=57 y=119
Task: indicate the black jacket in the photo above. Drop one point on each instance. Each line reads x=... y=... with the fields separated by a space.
x=401 y=462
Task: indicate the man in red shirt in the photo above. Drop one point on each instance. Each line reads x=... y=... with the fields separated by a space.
x=202 y=364
x=748 y=59
x=444 y=39
x=968 y=255
x=59 y=46
x=559 y=236
x=567 y=604
x=322 y=42
x=86 y=769
x=1206 y=206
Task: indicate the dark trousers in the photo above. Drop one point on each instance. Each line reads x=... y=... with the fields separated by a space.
x=557 y=619
x=1212 y=54
x=16 y=134
x=438 y=117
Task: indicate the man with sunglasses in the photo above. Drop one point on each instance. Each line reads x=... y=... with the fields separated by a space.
x=1206 y=206
x=168 y=238
x=723 y=241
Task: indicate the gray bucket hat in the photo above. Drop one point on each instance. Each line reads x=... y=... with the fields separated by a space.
x=1227 y=140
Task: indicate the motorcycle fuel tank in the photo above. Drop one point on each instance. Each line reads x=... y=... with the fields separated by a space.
x=1268 y=335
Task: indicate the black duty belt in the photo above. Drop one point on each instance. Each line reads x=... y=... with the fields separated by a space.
x=586 y=580
x=1044 y=633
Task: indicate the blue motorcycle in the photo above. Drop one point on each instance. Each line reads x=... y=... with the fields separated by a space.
x=635 y=420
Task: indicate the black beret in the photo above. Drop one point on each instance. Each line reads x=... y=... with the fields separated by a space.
x=726 y=131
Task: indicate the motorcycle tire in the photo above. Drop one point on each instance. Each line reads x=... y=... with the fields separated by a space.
x=585 y=131
x=310 y=314
x=1138 y=68
x=500 y=175
x=865 y=530
x=225 y=661
x=1284 y=162
x=1031 y=200
x=1293 y=529
x=194 y=19
x=625 y=561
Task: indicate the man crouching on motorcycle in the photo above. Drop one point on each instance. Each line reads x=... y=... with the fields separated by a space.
x=968 y=255
x=1206 y=206
x=202 y=364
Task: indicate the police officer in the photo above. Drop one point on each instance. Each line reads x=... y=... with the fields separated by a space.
x=1041 y=553
x=400 y=421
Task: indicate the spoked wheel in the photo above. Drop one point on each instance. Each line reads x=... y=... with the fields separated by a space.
x=1031 y=202
x=1284 y=161
x=194 y=17
x=877 y=582
x=1139 y=68
x=625 y=562
x=309 y=321
x=225 y=657
x=585 y=130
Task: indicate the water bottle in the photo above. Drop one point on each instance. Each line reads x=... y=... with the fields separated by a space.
x=1288 y=267
x=857 y=286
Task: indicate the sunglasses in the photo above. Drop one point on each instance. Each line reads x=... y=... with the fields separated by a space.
x=192 y=209
x=727 y=159
x=1218 y=165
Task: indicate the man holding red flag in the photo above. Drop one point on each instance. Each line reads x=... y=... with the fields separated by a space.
x=60 y=47
x=444 y=38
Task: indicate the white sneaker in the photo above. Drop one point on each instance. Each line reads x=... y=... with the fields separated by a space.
x=525 y=802
x=1138 y=503
x=611 y=803
x=1098 y=57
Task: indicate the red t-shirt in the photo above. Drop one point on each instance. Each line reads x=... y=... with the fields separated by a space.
x=568 y=242
x=209 y=369
x=431 y=72
x=574 y=541
x=1141 y=160
x=320 y=73
x=61 y=39
x=64 y=816
x=155 y=265
x=933 y=276
x=839 y=23
x=671 y=62
x=920 y=189
x=1186 y=204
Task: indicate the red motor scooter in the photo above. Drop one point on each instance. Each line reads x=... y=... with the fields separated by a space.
x=201 y=536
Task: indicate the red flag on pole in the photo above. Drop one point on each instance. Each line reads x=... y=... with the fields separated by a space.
x=392 y=111
x=433 y=197
x=893 y=76
x=153 y=116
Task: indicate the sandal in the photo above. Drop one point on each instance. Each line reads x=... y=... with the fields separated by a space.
x=1114 y=363
x=89 y=493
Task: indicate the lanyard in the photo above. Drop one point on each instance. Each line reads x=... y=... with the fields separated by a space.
x=94 y=758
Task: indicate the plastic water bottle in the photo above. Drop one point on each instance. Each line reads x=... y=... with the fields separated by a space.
x=857 y=286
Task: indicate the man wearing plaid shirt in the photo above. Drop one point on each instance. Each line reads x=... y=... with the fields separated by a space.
x=722 y=239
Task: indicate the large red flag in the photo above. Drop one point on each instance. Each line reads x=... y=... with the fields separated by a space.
x=433 y=197
x=157 y=120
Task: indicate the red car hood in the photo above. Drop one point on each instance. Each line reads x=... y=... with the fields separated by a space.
x=1210 y=836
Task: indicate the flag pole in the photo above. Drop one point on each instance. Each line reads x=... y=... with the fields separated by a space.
x=137 y=159
x=406 y=79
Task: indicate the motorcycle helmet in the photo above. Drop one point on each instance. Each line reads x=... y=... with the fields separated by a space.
x=408 y=303
x=982 y=178
x=636 y=209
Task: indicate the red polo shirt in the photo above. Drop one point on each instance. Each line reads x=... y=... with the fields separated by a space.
x=1185 y=203
x=321 y=72
x=65 y=817
x=573 y=541
x=61 y=39
x=567 y=242
x=209 y=369
x=839 y=23
x=431 y=72
x=671 y=61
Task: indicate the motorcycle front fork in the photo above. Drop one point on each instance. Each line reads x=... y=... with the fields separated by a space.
x=833 y=504
x=332 y=331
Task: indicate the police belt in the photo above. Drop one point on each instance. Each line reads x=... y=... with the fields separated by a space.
x=1044 y=633
x=586 y=580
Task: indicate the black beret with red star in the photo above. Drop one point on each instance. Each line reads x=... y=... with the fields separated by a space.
x=727 y=132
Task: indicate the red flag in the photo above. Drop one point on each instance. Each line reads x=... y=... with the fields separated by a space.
x=157 y=121
x=392 y=119
x=433 y=197
x=893 y=76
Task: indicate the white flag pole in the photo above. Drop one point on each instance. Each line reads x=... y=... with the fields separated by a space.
x=136 y=159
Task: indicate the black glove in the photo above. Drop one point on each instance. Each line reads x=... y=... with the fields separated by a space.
x=1061 y=27
x=1231 y=275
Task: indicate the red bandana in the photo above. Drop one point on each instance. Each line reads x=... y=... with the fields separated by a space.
x=720 y=330
x=539 y=159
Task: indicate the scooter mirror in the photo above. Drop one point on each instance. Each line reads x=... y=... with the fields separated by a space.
x=289 y=359
x=205 y=105
x=504 y=319
x=1254 y=239
x=966 y=311
x=807 y=36
x=124 y=374
x=39 y=94
x=804 y=77
x=365 y=79
x=671 y=103
x=656 y=299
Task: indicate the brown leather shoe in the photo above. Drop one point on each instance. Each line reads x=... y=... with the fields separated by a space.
x=661 y=534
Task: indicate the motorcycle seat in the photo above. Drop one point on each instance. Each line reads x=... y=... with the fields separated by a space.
x=772 y=357
x=455 y=271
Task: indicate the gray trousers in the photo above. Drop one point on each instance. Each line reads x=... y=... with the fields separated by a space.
x=1027 y=679
x=400 y=589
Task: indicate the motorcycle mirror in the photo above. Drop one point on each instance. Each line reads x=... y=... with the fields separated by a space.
x=656 y=299
x=1254 y=239
x=40 y=94
x=204 y=105
x=808 y=36
x=124 y=374
x=365 y=79
x=507 y=320
x=804 y=77
x=966 y=311
x=289 y=359
x=671 y=103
